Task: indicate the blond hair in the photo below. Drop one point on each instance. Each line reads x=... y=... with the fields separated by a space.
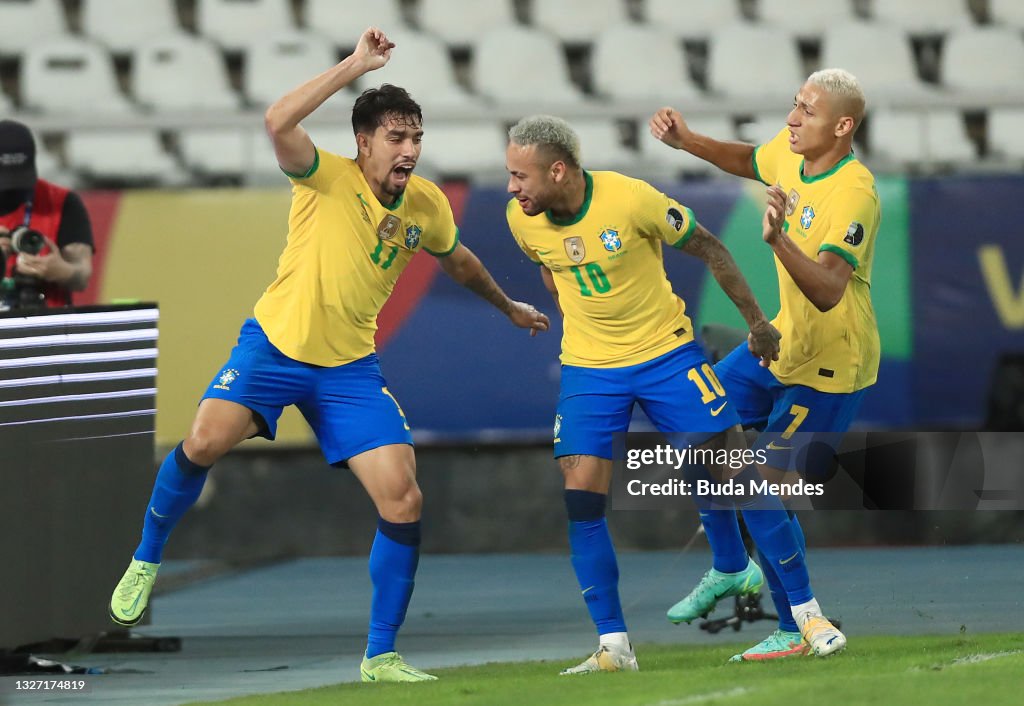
x=845 y=90
x=550 y=134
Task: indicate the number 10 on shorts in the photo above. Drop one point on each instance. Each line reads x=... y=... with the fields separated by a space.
x=708 y=385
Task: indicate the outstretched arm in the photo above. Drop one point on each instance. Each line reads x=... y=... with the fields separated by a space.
x=733 y=157
x=294 y=150
x=465 y=268
x=763 y=339
x=822 y=281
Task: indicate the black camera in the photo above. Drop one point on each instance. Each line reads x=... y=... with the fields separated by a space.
x=28 y=241
x=23 y=291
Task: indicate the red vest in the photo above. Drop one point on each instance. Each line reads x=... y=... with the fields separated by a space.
x=47 y=207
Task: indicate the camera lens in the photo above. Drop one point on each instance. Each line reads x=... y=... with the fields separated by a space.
x=28 y=241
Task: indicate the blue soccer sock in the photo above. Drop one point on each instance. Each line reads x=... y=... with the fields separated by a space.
x=593 y=559
x=393 y=560
x=775 y=587
x=178 y=485
x=772 y=529
x=723 y=533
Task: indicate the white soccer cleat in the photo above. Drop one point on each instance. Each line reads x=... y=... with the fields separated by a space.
x=606 y=659
x=823 y=637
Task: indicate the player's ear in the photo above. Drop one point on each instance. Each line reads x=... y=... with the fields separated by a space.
x=844 y=126
x=557 y=171
x=363 y=143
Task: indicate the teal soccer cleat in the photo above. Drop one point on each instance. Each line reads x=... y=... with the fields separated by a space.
x=713 y=587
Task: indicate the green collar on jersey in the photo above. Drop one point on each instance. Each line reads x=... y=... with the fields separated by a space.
x=824 y=175
x=587 y=196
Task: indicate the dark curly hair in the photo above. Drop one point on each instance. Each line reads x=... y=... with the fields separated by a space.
x=376 y=105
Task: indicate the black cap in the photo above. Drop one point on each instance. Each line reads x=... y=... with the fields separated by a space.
x=17 y=156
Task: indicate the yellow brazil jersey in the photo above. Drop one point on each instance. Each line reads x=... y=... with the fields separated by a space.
x=838 y=212
x=344 y=253
x=607 y=264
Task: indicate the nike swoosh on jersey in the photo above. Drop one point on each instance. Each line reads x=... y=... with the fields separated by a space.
x=775 y=447
x=716 y=412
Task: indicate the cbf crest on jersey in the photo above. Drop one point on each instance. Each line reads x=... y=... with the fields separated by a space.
x=612 y=241
x=389 y=227
x=575 y=249
x=412 y=236
x=806 y=217
x=226 y=378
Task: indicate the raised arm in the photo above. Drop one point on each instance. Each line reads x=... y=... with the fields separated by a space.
x=763 y=339
x=822 y=281
x=733 y=157
x=294 y=150
x=465 y=268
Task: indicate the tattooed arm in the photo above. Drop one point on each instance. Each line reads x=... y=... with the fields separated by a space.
x=763 y=339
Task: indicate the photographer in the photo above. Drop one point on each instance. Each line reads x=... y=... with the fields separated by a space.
x=46 y=244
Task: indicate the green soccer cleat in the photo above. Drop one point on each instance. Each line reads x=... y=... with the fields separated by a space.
x=390 y=667
x=128 y=604
x=713 y=587
x=606 y=659
x=778 y=645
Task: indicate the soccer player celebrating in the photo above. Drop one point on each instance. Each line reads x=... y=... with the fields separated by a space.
x=354 y=225
x=598 y=238
x=821 y=222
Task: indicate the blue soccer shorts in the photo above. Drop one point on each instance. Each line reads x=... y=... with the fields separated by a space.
x=800 y=427
x=348 y=407
x=678 y=391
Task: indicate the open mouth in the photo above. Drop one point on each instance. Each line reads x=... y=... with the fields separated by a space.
x=402 y=172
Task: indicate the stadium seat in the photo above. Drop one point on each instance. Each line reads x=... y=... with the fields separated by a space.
x=909 y=138
x=27 y=23
x=215 y=152
x=601 y=145
x=459 y=23
x=233 y=23
x=278 y=62
x=879 y=56
x=125 y=25
x=343 y=21
x=123 y=155
x=522 y=66
x=984 y=59
x=421 y=65
x=692 y=19
x=661 y=160
x=466 y=149
x=1007 y=12
x=761 y=127
x=806 y=19
x=658 y=73
x=737 y=65
x=182 y=72
x=922 y=17
x=71 y=77
x=1005 y=136
x=578 y=21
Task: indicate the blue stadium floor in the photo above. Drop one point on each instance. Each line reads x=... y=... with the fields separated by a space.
x=302 y=623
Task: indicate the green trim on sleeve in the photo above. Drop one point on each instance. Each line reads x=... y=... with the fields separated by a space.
x=309 y=172
x=753 y=162
x=447 y=252
x=841 y=253
x=689 y=229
